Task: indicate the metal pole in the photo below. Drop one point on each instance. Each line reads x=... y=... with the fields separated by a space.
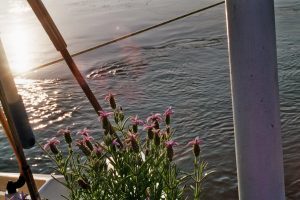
x=254 y=85
x=16 y=126
x=15 y=103
x=24 y=168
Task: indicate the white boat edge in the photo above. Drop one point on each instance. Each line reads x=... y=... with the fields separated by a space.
x=48 y=187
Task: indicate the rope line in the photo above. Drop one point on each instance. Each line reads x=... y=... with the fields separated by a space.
x=122 y=37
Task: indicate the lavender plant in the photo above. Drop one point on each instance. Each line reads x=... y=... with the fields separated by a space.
x=125 y=165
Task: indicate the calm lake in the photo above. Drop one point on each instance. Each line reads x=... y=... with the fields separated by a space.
x=183 y=65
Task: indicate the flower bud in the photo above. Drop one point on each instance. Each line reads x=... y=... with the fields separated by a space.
x=53 y=149
x=168 y=114
x=196 y=149
x=68 y=138
x=116 y=116
x=168 y=119
x=121 y=114
x=150 y=133
x=156 y=124
x=135 y=146
x=115 y=143
x=105 y=123
x=98 y=151
x=170 y=153
x=196 y=146
x=168 y=129
x=110 y=98
x=157 y=138
x=85 y=150
x=135 y=128
x=89 y=145
x=112 y=102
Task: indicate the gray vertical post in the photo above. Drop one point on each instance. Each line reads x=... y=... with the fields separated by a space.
x=254 y=85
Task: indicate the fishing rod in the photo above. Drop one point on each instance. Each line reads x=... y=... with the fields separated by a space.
x=122 y=37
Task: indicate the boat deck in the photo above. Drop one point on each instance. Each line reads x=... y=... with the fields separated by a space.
x=44 y=182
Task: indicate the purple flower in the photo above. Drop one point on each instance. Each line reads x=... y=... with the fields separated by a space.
x=104 y=114
x=168 y=114
x=103 y=118
x=83 y=147
x=110 y=98
x=169 y=111
x=80 y=143
x=87 y=140
x=196 y=146
x=115 y=142
x=136 y=121
x=98 y=150
x=23 y=196
x=170 y=152
x=147 y=127
x=63 y=131
x=131 y=136
x=168 y=129
x=132 y=139
x=84 y=132
x=157 y=136
x=196 y=141
x=51 y=143
x=66 y=133
x=150 y=130
x=154 y=117
x=170 y=143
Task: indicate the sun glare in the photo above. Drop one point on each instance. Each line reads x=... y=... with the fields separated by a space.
x=18 y=6
x=16 y=37
x=18 y=50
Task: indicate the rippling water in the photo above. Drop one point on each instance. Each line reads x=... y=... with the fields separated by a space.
x=184 y=64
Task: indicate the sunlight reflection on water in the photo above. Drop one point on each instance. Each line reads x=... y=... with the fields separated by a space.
x=41 y=106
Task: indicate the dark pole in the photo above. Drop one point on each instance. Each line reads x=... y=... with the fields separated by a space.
x=61 y=46
x=16 y=127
